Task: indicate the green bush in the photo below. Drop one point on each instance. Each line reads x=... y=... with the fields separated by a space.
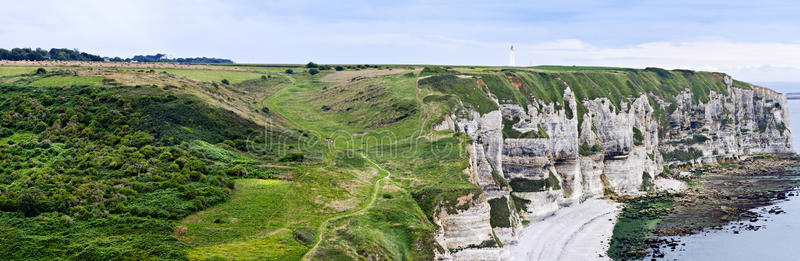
x=535 y=185
x=499 y=213
x=29 y=203
x=682 y=156
x=237 y=170
x=292 y=157
x=349 y=160
x=430 y=70
x=313 y=71
x=647 y=184
x=699 y=138
x=638 y=138
x=586 y=150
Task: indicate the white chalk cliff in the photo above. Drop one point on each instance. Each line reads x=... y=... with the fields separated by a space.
x=533 y=176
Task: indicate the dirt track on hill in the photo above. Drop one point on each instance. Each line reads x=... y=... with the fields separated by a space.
x=375 y=191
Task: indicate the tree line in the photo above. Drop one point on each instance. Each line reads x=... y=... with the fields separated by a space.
x=39 y=54
x=163 y=58
x=64 y=54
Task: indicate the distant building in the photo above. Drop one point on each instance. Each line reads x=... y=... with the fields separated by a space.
x=511 y=56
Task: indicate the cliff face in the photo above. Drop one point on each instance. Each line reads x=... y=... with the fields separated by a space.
x=533 y=157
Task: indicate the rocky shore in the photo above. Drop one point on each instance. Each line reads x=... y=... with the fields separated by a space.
x=718 y=195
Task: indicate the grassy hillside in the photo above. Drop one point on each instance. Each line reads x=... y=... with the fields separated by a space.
x=107 y=163
x=97 y=171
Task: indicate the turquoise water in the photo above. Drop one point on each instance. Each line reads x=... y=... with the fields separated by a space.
x=778 y=239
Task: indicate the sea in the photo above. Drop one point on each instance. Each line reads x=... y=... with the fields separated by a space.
x=779 y=235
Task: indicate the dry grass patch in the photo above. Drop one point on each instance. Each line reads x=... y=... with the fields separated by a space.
x=345 y=76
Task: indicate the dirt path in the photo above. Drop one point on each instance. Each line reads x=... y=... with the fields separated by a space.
x=375 y=191
x=579 y=232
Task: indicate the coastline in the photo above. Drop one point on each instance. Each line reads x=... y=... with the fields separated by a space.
x=717 y=196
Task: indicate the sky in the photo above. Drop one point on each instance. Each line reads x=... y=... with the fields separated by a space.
x=755 y=41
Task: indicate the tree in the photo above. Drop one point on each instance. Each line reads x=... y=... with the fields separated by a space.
x=313 y=71
x=311 y=65
x=339 y=68
x=289 y=71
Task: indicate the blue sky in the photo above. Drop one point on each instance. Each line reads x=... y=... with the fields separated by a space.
x=753 y=40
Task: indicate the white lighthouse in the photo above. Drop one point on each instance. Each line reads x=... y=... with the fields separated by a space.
x=511 y=56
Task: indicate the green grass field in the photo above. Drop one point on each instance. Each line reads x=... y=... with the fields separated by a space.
x=60 y=81
x=16 y=70
x=263 y=212
x=249 y=226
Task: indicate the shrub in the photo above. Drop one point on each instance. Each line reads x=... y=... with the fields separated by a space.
x=660 y=72
x=499 y=180
x=292 y=156
x=638 y=138
x=699 y=138
x=432 y=70
x=313 y=71
x=535 y=185
x=306 y=235
x=680 y=155
x=225 y=81
x=237 y=170
x=289 y=71
x=499 y=213
x=5 y=132
x=339 y=68
x=29 y=204
x=41 y=71
x=586 y=150
x=647 y=185
x=311 y=65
